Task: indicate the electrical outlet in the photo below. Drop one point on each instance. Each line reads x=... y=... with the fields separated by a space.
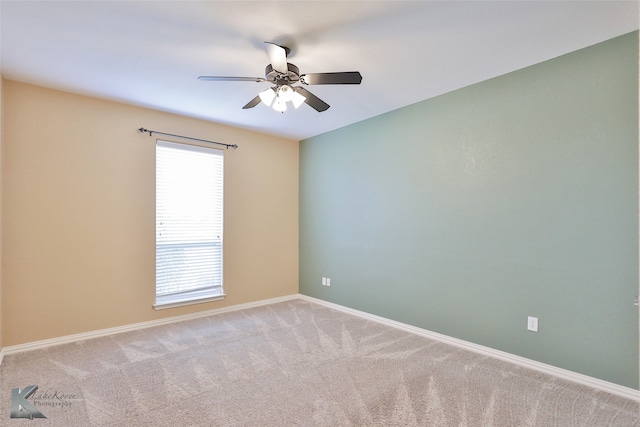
x=324 y=281
x=328 y=282
x=532 y=324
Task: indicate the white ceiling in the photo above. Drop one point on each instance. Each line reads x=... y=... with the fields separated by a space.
x=150 y=53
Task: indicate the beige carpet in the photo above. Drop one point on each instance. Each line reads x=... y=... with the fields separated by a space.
x=294 y=363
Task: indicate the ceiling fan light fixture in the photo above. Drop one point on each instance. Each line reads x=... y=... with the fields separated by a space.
x=280 y=105
x=267 y=96
x=285 y=93
x=297 y=99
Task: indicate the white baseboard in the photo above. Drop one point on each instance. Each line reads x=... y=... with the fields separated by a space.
x=586 y=380
x=20 y=348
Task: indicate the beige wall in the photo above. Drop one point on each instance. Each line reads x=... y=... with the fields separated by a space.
x=78 y=213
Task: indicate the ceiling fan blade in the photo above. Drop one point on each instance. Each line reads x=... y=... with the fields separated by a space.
x=277 y=57
x=231 y=79
x=255 y=101
x=346 y=78
x=312 y=100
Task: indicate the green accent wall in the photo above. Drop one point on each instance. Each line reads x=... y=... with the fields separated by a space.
x=465 y=213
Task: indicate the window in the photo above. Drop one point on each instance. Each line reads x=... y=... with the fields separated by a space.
x=189 y=185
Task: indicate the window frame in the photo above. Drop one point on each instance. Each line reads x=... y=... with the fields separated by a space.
x=197 y=295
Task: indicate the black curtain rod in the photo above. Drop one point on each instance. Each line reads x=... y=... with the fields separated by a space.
x=142 y=130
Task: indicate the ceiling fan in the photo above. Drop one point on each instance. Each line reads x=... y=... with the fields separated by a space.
x=284 y=75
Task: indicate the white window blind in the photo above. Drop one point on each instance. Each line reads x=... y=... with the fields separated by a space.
x=189 y=198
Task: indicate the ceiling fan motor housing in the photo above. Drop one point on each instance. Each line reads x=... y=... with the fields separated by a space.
x=292 y=76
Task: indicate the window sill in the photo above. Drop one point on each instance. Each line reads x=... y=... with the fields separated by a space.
x=164 y=303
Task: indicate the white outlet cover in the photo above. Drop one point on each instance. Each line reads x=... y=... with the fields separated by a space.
x=532 y=324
